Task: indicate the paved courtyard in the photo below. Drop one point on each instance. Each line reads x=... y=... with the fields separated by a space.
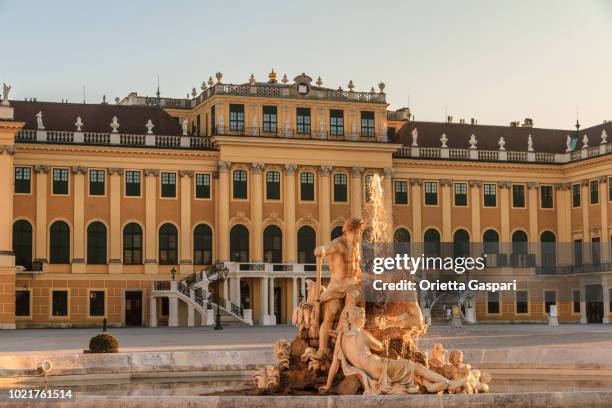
x=485 y=336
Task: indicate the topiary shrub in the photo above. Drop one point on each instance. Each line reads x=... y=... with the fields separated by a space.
x=104 y=343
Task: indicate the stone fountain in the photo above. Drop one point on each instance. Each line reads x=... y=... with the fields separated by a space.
x=353 y=340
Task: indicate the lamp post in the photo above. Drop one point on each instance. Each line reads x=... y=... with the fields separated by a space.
x=222 y=271
x=173 y=272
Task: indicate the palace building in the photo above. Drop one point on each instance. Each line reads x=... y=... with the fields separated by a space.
x=118 y=211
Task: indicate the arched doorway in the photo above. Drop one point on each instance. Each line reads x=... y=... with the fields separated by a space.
x=461 y=243
x=431 y=239
x=548 y=251
x=22 y=244
x=490 y=240
x=306 y=244
x=239 y=243
x=520 y=250
x=273 y=244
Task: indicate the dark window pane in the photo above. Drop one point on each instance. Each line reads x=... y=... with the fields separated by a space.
x=132 y=244
x=550 y=298
x=239 y=243
x=576 y=195
x=576 y=301
x=240 y=184
x=546 y=196
x=401 y=192
x=460 y=194
x=60 y=181
x=59 y=243
x=431 y=193
x=340 y=187
x=22 y=243
x=306 y=245
x=59 y=303
x=518 y=196
x=273 y=244
x=522 y=302
x=96 y=303
x=23 y=177
x=96 y=243
x=367 y=124
x=492 y=302
x=202 y=185
x=273 y=185
x=594 y=188
x=96 y=182
x=202 y=245
x=236 y=117
x=303 y=121
x=490 y=195
x=22 y=303
x=307 y=186
x=132 y=183
x=269 y=119
x=168 y=185
x=168 y=245
x=336 y=122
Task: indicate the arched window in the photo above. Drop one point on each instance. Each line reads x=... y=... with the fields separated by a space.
x=548 y=250
x=461 y=243
x=401 y=239
x=336 y=232
x=168 y=245
x=519 y=242
x=306 y=244
x=202 y=245
x=491 y=242
x=432 y=242
x=96 y=243
x=22 y=244
x=273 y=244
x=239 y=243
x=132 y=244
x=59 y=243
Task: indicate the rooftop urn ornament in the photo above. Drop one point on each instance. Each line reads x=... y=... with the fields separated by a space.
x=568 y=144
x=372 y=91
x=272 y=77
x=78 y=124
x=194 y=92
x=285 y=79
x=351 y=85
x=114 y=124
x=184 y=125
x=6 y=88
x=502 y=143
x=203 y=86
x=210 y=81
x=381 y=86
x=444 y=139
x=585 y=141
x=219 y=77
x=117 y=100
x=319 y=81
x=415 y=135
x=529 y=144
x=473 y=142
x=39 y=121
x=149 y=127
x=604 y=137
x=252 y=79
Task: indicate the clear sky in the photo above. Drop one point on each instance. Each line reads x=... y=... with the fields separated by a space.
x=497 y=61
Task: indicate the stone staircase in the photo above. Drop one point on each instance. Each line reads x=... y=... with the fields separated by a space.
x=437 y=310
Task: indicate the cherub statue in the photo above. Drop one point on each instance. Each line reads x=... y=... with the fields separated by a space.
x=6 y=88
x=568 y=144
x=415 y=135
x=438 y=358
x=457 y=370
x=378 y=375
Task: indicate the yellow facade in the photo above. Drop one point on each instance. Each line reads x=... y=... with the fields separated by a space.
x=290 y=155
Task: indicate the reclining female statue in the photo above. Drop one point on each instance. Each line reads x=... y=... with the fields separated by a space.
x=378 y=375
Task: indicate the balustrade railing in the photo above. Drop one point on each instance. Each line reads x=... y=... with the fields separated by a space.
x=161 y=285
x=59 y=136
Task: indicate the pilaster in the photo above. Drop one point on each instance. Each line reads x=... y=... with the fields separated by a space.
x=290 y=233
x=257 y=211
x=115 y=240
x=185 y=259
x=78 y=228
x=151 y=265
x=324 y=203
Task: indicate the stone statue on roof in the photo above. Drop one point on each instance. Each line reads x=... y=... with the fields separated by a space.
x=443 y=140
x=604 y=137
x=114 y=125
x=529 y=144
x=415 y=135
x=6 y=88
x=473 y=142
x=585 y=141
x=184 y=125
x=568 y=144
x=78 y=124
x=149 y=127
x=502 y=143
x=39 y=121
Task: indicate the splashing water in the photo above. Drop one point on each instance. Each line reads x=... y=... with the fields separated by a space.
x=378 y=212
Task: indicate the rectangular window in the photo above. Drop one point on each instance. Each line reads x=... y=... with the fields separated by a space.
x=594 y=189
x=165 y=306
x=577 y=252
x=576 y=195
x=307 y=186
x=576 y=301
x=550 y=298
x=199 y=124
x=96 y=303
x=522 y=302
x=96 y=182
x=303 y=121
x=59 y=303
x=401 y=192
x=202 y=181
x=132 y=183
x=236 y=117
x=240 y=184
x=546 y=196
x=461 y=197
x=22 y=303
x=60 y=181
x=367 y=124
x=518 y=196
x=610 y=190
x=23 y=177
x=490 y=195
x=336 y=122
x=431 y=193
x=596 y=251
x=168 y=181
x=273 y=185
x=269 y=119
x=493 y=303
x=340 y=187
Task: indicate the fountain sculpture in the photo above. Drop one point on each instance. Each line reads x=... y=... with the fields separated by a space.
x=353 y=340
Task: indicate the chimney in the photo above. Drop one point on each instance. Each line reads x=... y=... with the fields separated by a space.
x=449 y=119
x=514 y=124
x=473 y=121
x=462 y=121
